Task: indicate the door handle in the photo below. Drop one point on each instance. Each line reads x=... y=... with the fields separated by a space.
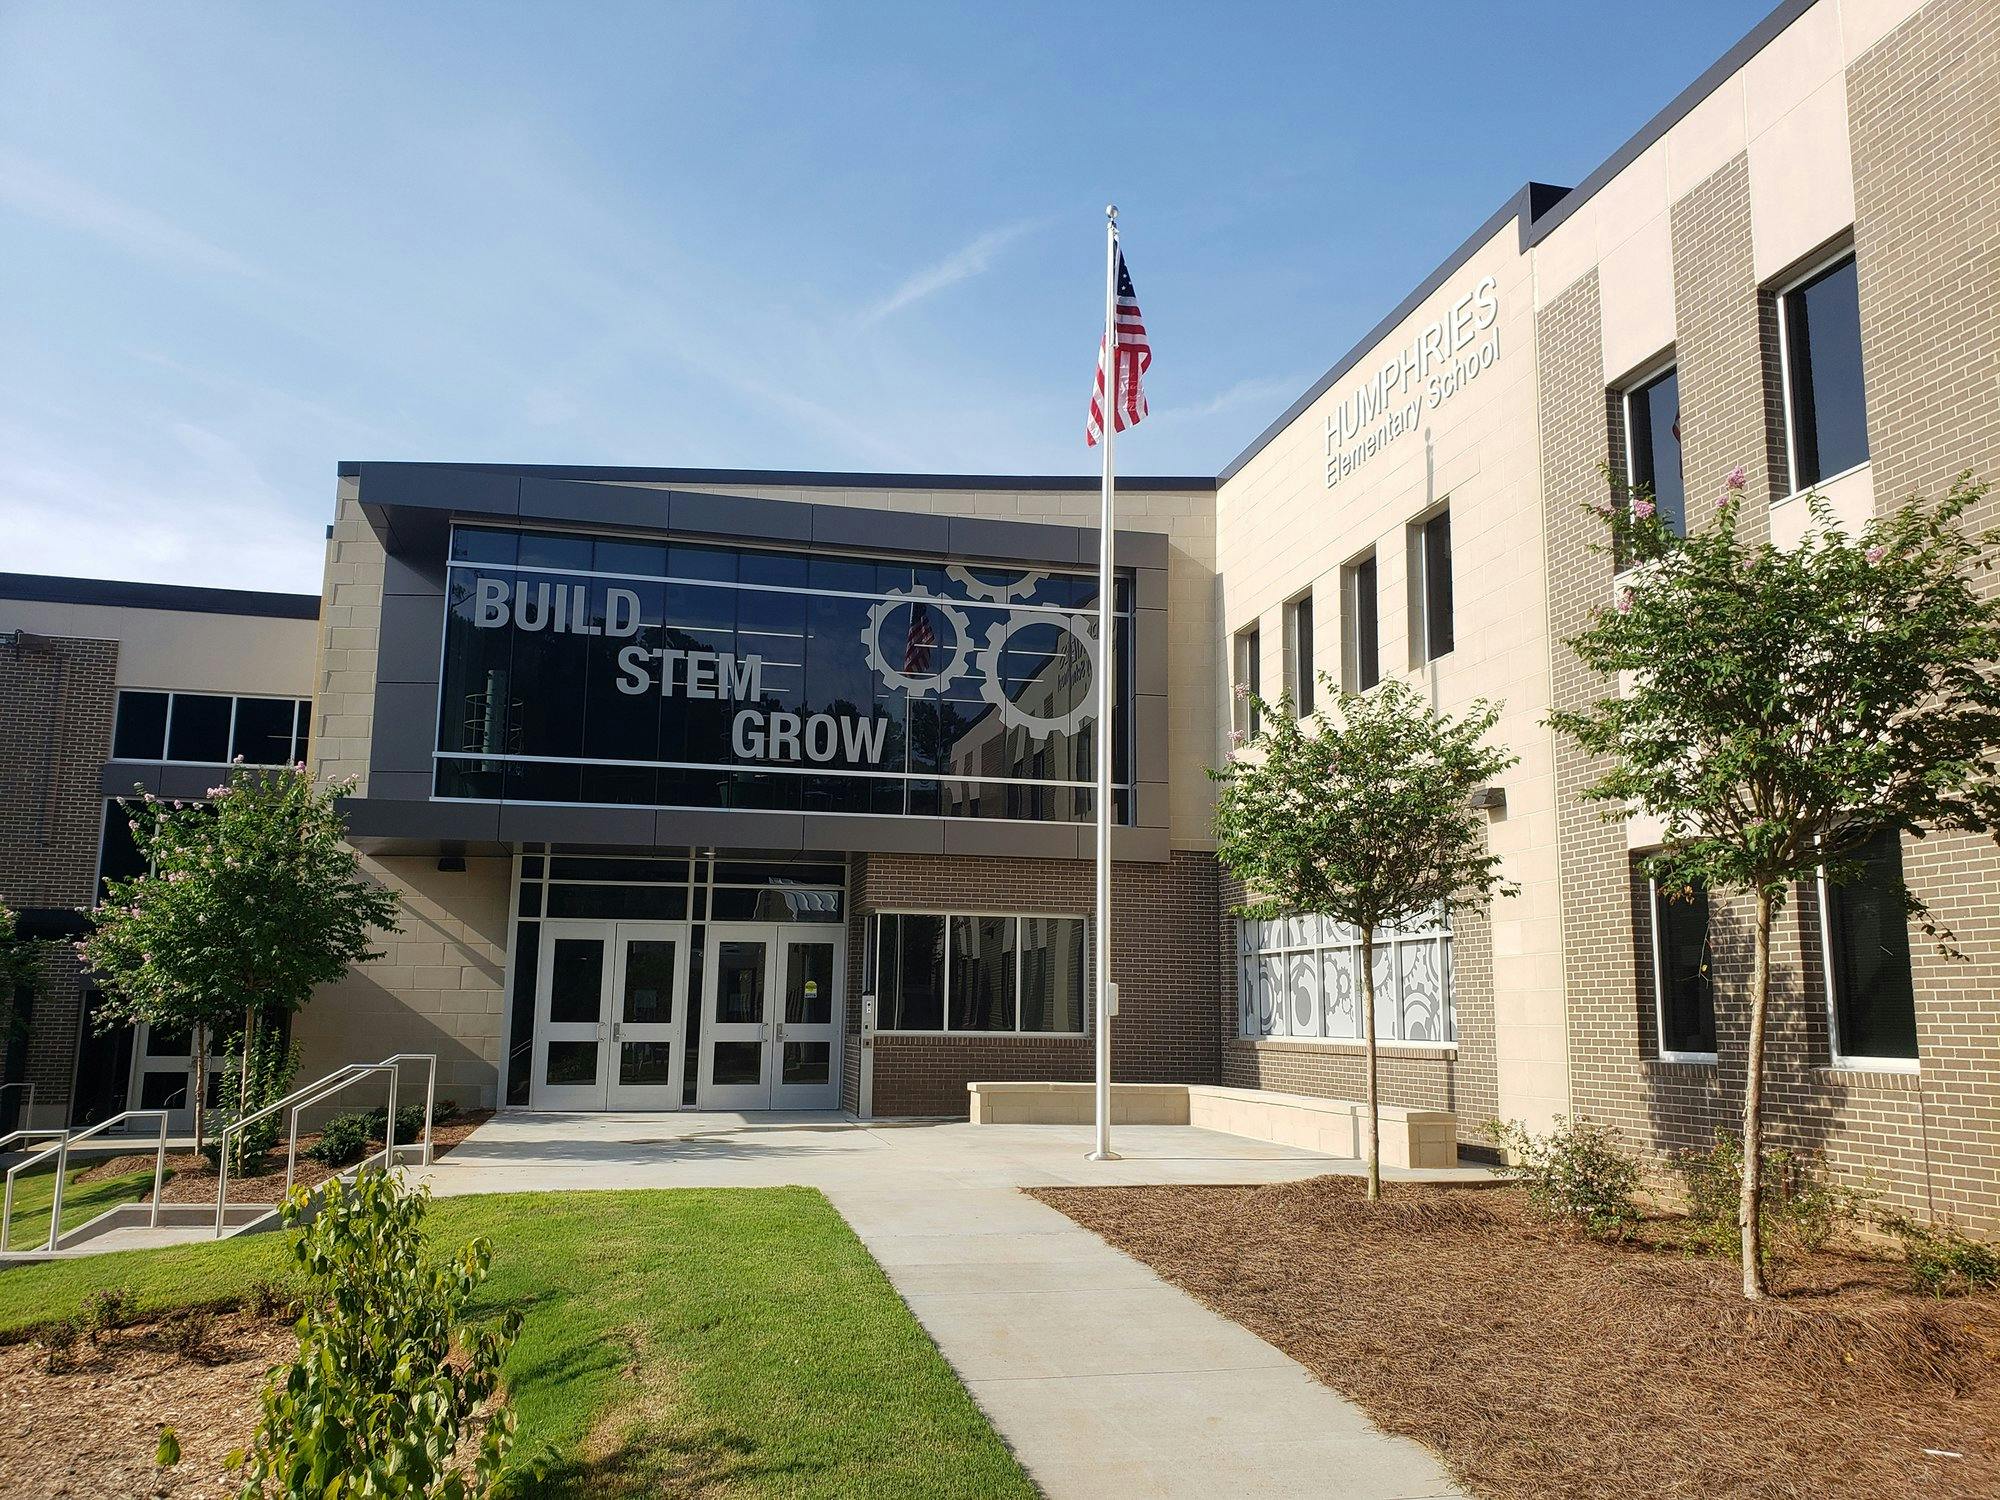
x=616 y=1031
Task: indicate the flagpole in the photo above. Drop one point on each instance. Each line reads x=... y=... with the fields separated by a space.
x=1107 y=617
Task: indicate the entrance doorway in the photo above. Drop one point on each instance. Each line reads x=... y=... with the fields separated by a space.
x=770 y=1029
x=607 y=1031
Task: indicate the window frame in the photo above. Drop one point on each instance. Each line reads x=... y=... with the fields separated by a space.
x=1247 y=669
x=1660 y=1048
x=1419 y=534
x=1354 y=665
x=1300 y=677
x=1852 y=1062
x=1648 y=376
x=874 y=939
x=1780 y=296
x=301 y=712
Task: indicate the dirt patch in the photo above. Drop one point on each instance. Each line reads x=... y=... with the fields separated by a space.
x=91 y=1426
x=1544 y=1367
x=191 y=1180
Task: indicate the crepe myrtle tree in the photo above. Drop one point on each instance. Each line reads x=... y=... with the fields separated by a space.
x=1775 y=707
x=251 y=900
x=1362 y=814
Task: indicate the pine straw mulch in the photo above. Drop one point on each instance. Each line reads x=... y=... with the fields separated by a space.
x=85 y=1421
x=1541 y=1366
x=190 y=1179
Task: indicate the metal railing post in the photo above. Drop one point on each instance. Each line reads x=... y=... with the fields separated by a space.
x=159 y=1173
x=55 y=1208
x=389 y=1125
x=430 y=1106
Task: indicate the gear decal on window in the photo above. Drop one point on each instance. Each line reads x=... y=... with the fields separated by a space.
x=1018 y=716
x=922 y=636
x=1023 y=585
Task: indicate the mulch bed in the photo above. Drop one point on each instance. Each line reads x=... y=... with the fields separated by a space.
x=1541 y=1366
x=86 y=1421
x=190 y=1179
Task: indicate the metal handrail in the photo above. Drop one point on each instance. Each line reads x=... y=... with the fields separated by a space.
x=316 y=1092
x=60 y=1151
x=26 y=1134
x=27 y=1099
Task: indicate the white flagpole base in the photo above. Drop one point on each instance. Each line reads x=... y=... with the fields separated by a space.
x=1102 y=1156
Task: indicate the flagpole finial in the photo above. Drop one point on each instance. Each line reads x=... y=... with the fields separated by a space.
x=1111 y=212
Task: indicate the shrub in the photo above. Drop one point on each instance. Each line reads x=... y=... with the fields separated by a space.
x=1575 y=1174
x=343 y=1140
x=1801 y=1207
x=58 y=1343
x=1943 y=1260
x=105 y=1311
x=374 y=1403
x=269 y=1299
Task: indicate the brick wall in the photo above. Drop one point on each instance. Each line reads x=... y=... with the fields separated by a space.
x=56 y=707
x=1163 y=918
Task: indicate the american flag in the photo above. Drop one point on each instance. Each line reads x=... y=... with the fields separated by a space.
x=1135 y=357
x=917 y=650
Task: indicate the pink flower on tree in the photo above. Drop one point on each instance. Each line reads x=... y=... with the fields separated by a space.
x=1876 y=554
x=1642 y=509
x=1624 y=605
x=1736 y=479
x=1237 y=738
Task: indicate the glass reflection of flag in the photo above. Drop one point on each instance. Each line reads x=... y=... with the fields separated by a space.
x=917 y=649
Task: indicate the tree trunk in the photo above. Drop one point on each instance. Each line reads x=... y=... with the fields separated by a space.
x=1368 y=1051
x=243 y=1077
x=1750 y=1211
x=198 y=1081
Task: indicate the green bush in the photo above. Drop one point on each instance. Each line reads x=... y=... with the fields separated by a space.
x=105 y=1312
x=1801 y=1206
x=1943 y=1260
x=1575 y=1174
x=343 y=1140
x=374 y=1403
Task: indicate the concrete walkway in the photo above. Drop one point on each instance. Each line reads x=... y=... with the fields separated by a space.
x=1106 y=1381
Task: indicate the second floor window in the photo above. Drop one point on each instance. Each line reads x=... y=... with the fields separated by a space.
x=210 y=728
x=1826 y=407
x=1248 y=679
x=1653 y=444
x=1433 y=594
x=1299 y=652
x=1360 y=628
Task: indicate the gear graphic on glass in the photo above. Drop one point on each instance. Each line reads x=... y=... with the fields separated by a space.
x=993 y=689
x=994 y=593
x=958 y=654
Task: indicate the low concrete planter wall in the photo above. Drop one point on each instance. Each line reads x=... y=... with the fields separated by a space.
x=1337 y=1127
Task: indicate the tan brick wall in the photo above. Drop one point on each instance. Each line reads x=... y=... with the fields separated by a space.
x=349 y=631
x=1163 y=919
x=1926 y=161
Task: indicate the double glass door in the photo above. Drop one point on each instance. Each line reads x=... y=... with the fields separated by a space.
x=608 y=1025
x=770 y=1025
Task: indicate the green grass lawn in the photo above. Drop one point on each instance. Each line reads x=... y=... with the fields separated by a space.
x=720 y=1342
x=34 y=1194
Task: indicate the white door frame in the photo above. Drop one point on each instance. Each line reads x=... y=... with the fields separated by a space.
x=609 y=1031
x=785 y=1031
x=626 y=1032
x=770 y=1030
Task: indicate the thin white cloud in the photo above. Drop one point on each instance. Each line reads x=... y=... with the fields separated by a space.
x=1262 y=391
x=962 y=264
x=41 y=192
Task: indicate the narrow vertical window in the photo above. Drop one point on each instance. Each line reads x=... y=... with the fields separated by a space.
x=1826 y=406
x=1299 y=652
x=1867 y=931
x=1360 y=634
x=1683 y=981
x=1248 y=671
x=1653 y=445
x=1434 y=602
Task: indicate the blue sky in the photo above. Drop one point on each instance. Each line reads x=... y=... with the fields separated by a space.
x=242 y=242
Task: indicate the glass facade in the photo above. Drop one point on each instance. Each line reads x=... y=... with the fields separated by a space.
x=647 y=672
x=1300 y=977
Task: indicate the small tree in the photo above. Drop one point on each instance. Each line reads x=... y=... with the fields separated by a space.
x=1366 y=817
x=251 y=901
x=20 y=977
x=1783 y=705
